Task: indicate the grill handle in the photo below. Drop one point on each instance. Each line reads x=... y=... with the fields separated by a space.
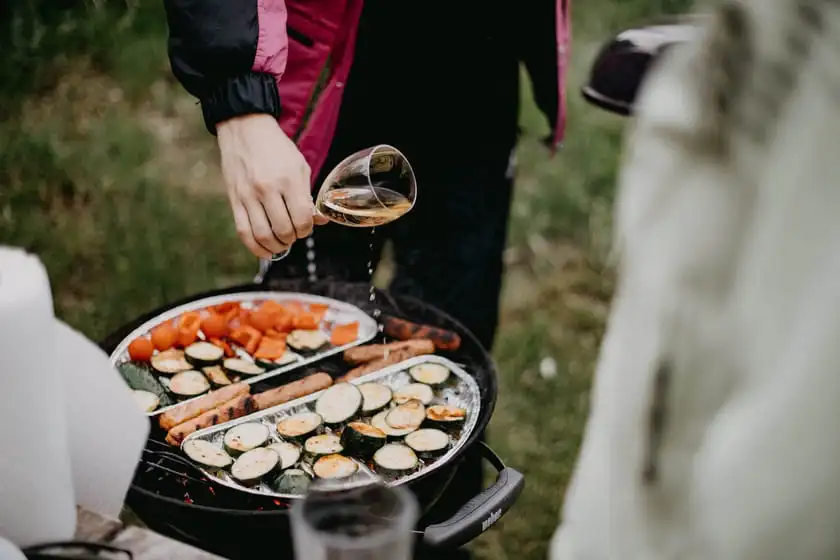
x=481 y=512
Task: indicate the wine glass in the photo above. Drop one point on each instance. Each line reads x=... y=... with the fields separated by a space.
x=370 y=188
x=365 y=520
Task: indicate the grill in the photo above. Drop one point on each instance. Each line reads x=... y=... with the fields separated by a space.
x=173 y=497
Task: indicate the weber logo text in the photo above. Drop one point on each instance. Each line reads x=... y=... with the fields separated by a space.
x=492 y=518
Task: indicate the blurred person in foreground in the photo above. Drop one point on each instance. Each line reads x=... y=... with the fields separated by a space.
x=292 y=88
x=713 y=424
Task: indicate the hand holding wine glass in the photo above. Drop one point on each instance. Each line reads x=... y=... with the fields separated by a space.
x=372 y=187
x=268 y=184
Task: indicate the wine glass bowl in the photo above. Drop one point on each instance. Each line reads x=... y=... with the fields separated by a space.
x=370 y=188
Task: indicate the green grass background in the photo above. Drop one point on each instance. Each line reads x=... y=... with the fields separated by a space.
x=107 y=174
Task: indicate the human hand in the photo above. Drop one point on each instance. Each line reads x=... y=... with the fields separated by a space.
x=268 y=184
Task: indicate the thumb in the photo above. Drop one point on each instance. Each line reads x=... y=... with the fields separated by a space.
x=318 y=218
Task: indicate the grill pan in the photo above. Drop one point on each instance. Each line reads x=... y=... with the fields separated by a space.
x=464 y=395
x=339 y=312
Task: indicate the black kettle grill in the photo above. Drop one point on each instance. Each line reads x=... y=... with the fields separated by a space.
x=173 y=499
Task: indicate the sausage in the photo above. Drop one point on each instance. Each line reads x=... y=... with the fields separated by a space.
x=364 y=354
x=234 y=408
x=294 y=390
x=243 y=405
x=406 y=330
x=199 y=406
x=393 y=358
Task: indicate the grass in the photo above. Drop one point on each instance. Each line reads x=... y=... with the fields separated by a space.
x=107 y=174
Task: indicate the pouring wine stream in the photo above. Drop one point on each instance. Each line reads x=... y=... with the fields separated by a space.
x=372 y=187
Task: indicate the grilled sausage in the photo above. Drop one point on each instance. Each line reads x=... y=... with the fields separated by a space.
x=199 y=406
x=371 y=352
x=406 y=330
x=246 y=404
x=234 y=408
x=393 y=358
x=294 y=390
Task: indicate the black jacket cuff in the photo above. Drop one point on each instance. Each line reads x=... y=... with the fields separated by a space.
x=248 y=94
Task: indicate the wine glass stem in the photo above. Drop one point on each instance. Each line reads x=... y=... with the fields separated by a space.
x=280 y=256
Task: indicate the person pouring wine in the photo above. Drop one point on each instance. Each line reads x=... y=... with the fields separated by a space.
x=440 y=81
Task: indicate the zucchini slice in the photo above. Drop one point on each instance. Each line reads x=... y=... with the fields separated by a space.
x=291 y=481
x=252 y=466
x=362 y=440
x=379 y=422
x=146 y=400
x=428 y=442
x=324 y=444
x=446 y=417
x=207 y=454
x=217 y=376
x=238 y=366
x=430 y=374
x=300 y=426
x=417 y=391
x=375 y=397
x=289 y=453
x=287 y=358
x=339 y=403
x=245 y=437
x=410 y=414
x=395 y=459
x=202 y=354
x=189 y=384
x=335 y=466
x=306 y=340
x=170 y=362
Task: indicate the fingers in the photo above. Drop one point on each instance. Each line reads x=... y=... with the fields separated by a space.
x=243 y=229
x=262 y=229
x=319 y=219
x=278 y=217
x=299 y=203
x=300 y=209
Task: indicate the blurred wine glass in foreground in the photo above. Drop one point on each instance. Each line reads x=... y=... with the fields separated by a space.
x=367 y=189
x=368 y=521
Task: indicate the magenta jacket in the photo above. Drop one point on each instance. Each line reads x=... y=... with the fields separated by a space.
x=267 y=56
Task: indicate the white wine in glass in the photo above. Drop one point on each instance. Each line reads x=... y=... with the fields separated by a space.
x=367 y=189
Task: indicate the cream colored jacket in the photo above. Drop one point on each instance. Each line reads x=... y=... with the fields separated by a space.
x=714 y=431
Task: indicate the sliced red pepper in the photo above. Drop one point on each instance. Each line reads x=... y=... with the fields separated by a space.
x=319 y=308
x=306 y=320
x=229 y=353
x=226 y=307
x=270 y=349
x=261 y=319
x=188 y=326
x=247 y=337
x=270 y=306
x=318 y=312
x=239 y=318
x=284 y=321
x=294 y=306
x=231 y=314
x=190 y=320
x=272 y=333
x=344 y=334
